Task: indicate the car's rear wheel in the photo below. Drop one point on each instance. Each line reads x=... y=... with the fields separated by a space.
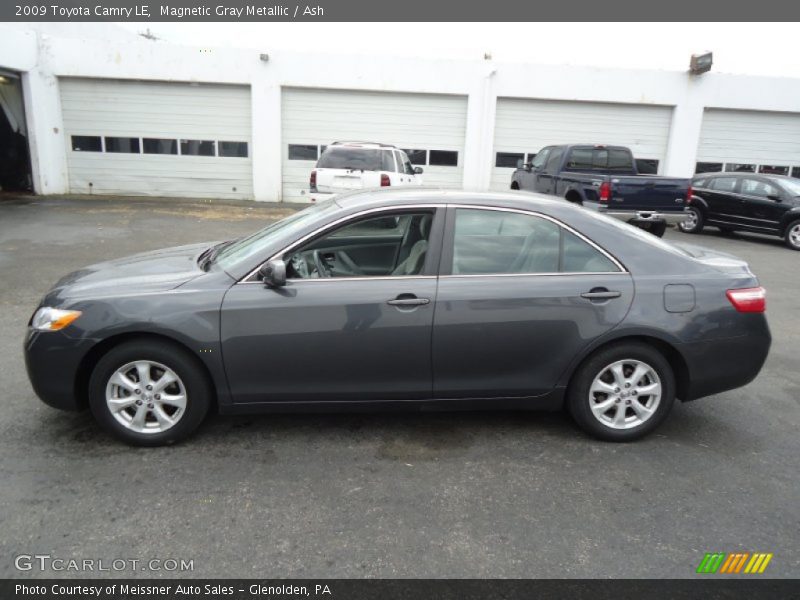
x=514 y=185
x=693 y=223
x=149 y=393
x=792 y=236
x=622 y=392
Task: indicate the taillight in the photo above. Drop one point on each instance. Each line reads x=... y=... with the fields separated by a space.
x=312 y=182
x=748 y=300
x=385 y=182
x=689 y=194
x=605 y=191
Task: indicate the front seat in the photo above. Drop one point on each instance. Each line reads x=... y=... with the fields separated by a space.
x=412 y=264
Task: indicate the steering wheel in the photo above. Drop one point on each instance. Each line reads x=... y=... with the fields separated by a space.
x=322 y=269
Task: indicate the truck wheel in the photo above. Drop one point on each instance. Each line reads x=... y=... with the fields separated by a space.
x=656 y=228
x=514 y=185
x=693 y=222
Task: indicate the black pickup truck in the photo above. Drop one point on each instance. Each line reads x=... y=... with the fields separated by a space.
x=605 y=179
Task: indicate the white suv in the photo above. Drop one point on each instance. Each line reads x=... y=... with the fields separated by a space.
x=345 y=166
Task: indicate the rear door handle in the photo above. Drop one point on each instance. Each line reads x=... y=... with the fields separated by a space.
x=601 y=295
x=408 y=300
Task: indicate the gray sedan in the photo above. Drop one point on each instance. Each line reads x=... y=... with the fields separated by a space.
x=405 y=299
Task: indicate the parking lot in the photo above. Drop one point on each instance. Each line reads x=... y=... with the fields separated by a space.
x=398 y=495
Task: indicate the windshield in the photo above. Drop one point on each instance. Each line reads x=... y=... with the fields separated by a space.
x=793 y=187
x=255 y=243
x=357 y=159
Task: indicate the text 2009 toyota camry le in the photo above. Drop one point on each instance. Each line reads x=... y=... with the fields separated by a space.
x=403 y=299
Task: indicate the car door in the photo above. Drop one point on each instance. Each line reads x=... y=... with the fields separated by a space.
x=519 y=297
x=764 y=203
x=340 y=338
x=724 y=204
x=546 y=178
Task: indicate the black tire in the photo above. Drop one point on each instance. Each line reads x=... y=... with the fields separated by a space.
x=578 y=395
x=514 y=185
x=693 y=223
x=792 y=235
x=196 y=389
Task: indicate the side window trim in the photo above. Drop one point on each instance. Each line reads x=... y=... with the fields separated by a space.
x=448 y=245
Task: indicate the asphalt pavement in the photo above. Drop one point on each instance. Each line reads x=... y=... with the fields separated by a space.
x=383 y=495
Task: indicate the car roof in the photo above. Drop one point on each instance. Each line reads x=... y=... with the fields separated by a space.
x=743 y=174
x=363 y=199
x=360 y=144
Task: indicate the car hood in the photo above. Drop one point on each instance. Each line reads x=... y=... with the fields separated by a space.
x=146 y=272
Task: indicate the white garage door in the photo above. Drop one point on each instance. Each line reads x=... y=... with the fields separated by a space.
x=432 y=126
x=159 y=139
x=523 y=127
x=740 y=140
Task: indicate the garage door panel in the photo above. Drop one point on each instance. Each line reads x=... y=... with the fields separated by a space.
x=750 y=137
x=113 y=108
x=526 y=126
x=419 y=121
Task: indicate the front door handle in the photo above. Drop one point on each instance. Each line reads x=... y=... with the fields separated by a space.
x=601 y=295
x=408 y=300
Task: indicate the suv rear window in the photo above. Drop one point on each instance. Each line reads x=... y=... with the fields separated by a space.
x=360 y=159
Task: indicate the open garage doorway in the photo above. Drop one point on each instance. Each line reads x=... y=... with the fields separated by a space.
x=15 y=163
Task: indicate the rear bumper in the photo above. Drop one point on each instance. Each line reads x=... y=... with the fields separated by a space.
x=725 y=364
x=644 y=216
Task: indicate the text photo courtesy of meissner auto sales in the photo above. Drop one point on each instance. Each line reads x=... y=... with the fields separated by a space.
x=317 y=301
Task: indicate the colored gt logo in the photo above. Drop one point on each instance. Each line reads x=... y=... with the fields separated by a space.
x=722 y=562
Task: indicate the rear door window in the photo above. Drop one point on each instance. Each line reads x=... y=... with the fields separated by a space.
x=488 y=242
x=755 y=187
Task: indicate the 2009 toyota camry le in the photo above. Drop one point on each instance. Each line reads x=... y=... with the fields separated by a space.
x=403 y=299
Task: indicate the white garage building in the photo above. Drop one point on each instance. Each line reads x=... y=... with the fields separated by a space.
x=118 y=114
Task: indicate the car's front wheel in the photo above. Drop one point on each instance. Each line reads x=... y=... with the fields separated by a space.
x=149 y=393
x=693 y=223
x=622 y=392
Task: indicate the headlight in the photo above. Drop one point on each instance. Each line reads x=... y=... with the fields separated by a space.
x=53 y=319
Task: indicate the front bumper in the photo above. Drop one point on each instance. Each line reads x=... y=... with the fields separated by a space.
x=53 y=360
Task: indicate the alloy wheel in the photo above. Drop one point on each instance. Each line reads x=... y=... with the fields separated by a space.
x=690 y=222
x=146 y=397
x=794 y=236
x=625 y=394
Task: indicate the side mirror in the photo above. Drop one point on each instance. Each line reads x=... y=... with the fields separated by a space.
x=774 y=197
x=417 y=170
x=273 y=273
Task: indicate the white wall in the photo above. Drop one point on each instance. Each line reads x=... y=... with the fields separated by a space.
x=44 y=55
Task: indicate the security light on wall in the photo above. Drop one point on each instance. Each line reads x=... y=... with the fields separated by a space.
x=701 y=63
